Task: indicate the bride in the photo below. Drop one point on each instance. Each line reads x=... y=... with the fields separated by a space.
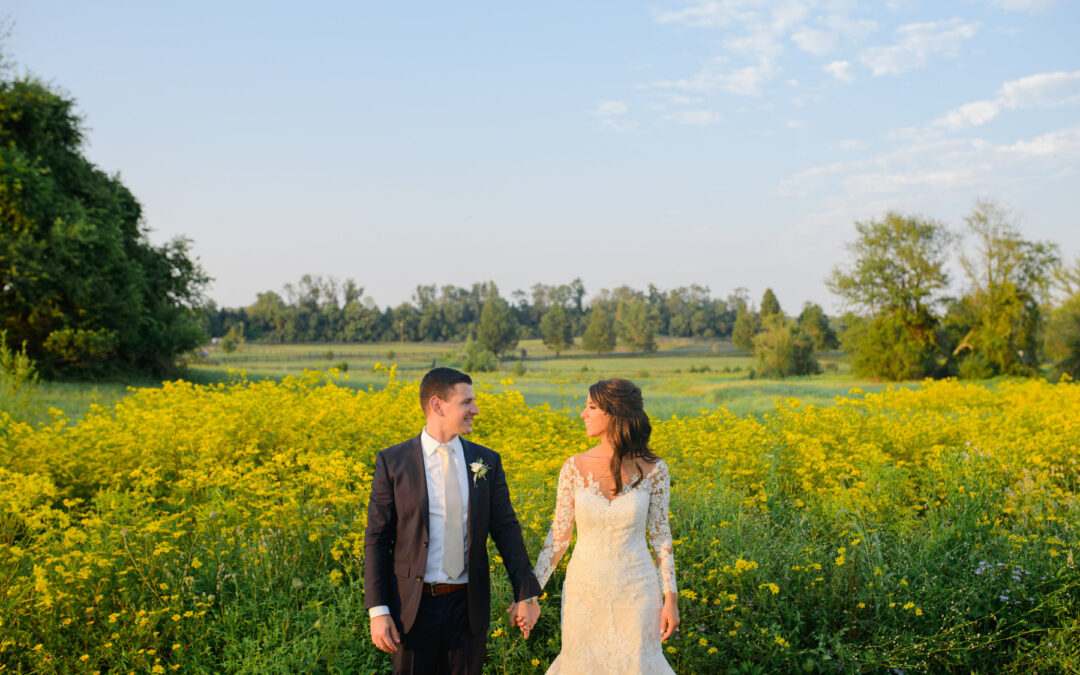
x=617 y=605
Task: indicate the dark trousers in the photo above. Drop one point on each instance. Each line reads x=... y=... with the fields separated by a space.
x=440 y=641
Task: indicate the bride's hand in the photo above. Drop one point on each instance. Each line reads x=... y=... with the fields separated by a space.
x=669 y=616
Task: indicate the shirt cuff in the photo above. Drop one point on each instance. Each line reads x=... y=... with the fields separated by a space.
x=378 y=610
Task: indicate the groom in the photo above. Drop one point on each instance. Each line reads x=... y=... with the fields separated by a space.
x=434 y=500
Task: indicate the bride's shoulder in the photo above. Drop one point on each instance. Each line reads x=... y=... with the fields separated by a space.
x=655 y=467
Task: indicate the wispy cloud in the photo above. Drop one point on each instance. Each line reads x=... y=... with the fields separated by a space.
x=841 y=70
x=916 y=44
x=757 y=36
x=1062 y=143
x=1035 y=91
x=1030 y=6
x=611 y=108
x=612 y=116
x=695 y=117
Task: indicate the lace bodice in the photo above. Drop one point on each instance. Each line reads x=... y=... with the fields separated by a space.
x=638 y=512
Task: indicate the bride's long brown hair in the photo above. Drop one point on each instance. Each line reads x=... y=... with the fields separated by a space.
x=628 y=427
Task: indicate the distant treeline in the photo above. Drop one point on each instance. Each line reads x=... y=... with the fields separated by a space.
x=324 y=309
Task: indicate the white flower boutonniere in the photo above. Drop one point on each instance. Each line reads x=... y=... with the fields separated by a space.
x=479 y=470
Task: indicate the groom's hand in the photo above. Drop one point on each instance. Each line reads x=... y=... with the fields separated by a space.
x=384 y=634
x=525 y=616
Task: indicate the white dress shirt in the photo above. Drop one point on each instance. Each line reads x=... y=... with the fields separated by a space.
x=433 y=472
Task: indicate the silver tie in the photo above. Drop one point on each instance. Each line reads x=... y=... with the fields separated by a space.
x=453 y=537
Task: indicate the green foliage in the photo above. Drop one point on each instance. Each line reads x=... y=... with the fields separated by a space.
x=812 y=319
x=893 y=283
x=1063 y=326
x=78 y=350
x=74 y=254
x=783 y=348
x=17 y=370
x=498 y=330
x=1009 y=281
x=556 y=329
x=888 y=348
x=600 y=334
x=519 y=368
x=636 y=323
x=747 y=325
x=478 y=359
x=234 y=339
x=770 y=306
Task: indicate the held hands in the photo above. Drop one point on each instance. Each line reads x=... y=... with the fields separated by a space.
x=524 y=615
x=385 y=634
x=669 y=616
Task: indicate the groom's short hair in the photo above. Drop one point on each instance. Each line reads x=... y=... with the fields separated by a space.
x=440 y=382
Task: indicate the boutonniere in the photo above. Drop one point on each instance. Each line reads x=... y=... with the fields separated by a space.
x=479 y=470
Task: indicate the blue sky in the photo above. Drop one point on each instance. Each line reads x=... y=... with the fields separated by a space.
x=727 y=143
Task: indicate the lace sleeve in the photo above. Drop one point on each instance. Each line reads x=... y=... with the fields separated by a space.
x=659 y=531
x=562 y=526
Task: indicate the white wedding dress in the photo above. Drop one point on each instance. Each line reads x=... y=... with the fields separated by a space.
x=613 y=592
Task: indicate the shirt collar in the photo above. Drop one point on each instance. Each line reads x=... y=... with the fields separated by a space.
x=430 y=445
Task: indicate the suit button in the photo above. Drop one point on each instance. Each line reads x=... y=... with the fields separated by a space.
x=419 y=578
x=425 y=544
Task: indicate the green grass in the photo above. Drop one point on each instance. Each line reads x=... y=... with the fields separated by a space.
x=681 y=378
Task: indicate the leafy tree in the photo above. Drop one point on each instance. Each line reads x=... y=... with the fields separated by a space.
x=747 y=325
x=770 y=306
x=477 y=358
x=891 y=287
x=1063 y=327
x=600 y=334
x=783 y=348
x=1009 y=280
x=636 y=323
x=556 y=329
x=233 y=340
x=498 y=330
x=812 y=319
x=74 y=252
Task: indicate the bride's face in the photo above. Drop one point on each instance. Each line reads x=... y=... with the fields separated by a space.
x=596 y=420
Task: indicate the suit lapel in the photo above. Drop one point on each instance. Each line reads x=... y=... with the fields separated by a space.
x=420 y=478
x=469 y=450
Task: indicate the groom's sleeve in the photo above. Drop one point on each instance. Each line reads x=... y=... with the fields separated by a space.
x=506 y=531
x=379 y=537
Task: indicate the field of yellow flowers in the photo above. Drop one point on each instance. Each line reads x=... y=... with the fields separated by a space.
x=205 y=529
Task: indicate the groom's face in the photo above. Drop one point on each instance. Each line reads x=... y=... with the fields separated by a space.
x=459 y=410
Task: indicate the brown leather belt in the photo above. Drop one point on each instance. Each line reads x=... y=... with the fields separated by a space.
x=442 y=589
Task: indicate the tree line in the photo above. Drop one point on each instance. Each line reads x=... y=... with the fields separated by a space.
x=325 y=309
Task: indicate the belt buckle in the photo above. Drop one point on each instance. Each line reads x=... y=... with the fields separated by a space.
x=432 y=587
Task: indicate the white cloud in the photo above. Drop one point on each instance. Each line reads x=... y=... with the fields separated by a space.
x=916 y=44
x=695 y=117
x=841 y=70
x=719 y=75
x=708 y=14
x=1065 y=142
x=795 y=124
x=618 y=125
x=969 y=115
x=815 y=41
x=1035 y=91
x=848 y=145
x=1045 y=89
x=1031 y=6
x=756 y=35
x=611 y=108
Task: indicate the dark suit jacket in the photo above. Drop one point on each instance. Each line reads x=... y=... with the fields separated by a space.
x=396 y=538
